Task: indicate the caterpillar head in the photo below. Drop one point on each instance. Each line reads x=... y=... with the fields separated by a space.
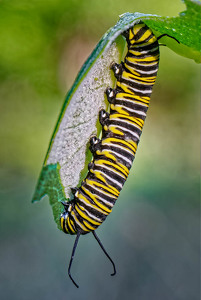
x=65 y=218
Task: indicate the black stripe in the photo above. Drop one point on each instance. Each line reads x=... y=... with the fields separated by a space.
x=143 y=67
x=91 y=209
x=128 y=104
x=99 y=193
x=119 y=141
x=142 y=55
x=126 y=118
x=135 y=114
x=109 y=160
x=72 y=225
x=113 y=167
x=87 y=216
x=137 y=92
x=136 y=85
x=140 y=33
x=111 y=174
x=139 y=48
x=146 y=40
x=126 y=126
x=122 y=152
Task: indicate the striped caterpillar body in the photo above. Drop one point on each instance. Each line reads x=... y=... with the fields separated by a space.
x=114 y=153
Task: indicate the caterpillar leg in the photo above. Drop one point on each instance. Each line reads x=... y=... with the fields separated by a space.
x=117 y=69
x=94 y=144
x=103 y=117
x=111 y=94
x=91 y=166
x=74 y=190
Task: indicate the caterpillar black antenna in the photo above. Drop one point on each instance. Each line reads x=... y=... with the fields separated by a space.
x=71 y=259
x=102 y=247
x=165 y=34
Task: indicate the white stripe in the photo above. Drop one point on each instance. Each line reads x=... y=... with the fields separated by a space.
x=90 y=205
x=119 y=155
x=145 y=51
x=137 y=45
x=111 y=169
x=76 y=221
x=111 y=179
x=141 y=64
x=139 y=112
x=140 y=71
x=114 y=153
x=126 y=122
x=107 y=193
x=135 y=89
x=147 y=72
x=103 y=192
x=132 y=101
x=138 y=81
x=125 y=129
x=141 y=91
x=90 y=215
x=118 y=146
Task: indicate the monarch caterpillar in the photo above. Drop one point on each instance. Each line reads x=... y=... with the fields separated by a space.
x=114 y=153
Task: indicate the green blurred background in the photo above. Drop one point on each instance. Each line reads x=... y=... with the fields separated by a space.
x=153 y=232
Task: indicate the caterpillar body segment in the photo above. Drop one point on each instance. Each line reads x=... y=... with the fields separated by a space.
x=114 y=153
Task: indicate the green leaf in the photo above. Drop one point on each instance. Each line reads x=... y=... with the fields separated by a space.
x=65 y=165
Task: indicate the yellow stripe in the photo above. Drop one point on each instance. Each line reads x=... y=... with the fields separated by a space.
x=108 y=167
x=124 y=87
x=105 y=127
x=128 y=76
x=105 y=210
x=94 y=218
x=107 y=154
x=100 y=176
x=84 y=215
x=69 y=225
x=134 y=72
x=152 y=59
x=146 y=34
x=89 y=226
x=80 y=196
x=151 y=41
x=137 y=27
x=112 y=157
x=120 y=110
x=139 y=80
x=104 y=193
x=114 y=130
x=112 y=191
x=131 y=35
x=62 y=220
x=143 y=99
x=131 y=145
x=139 y=122
x=78 y=222
x=105 y=162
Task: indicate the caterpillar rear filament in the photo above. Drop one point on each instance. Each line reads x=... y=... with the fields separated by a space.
x=114 y=153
